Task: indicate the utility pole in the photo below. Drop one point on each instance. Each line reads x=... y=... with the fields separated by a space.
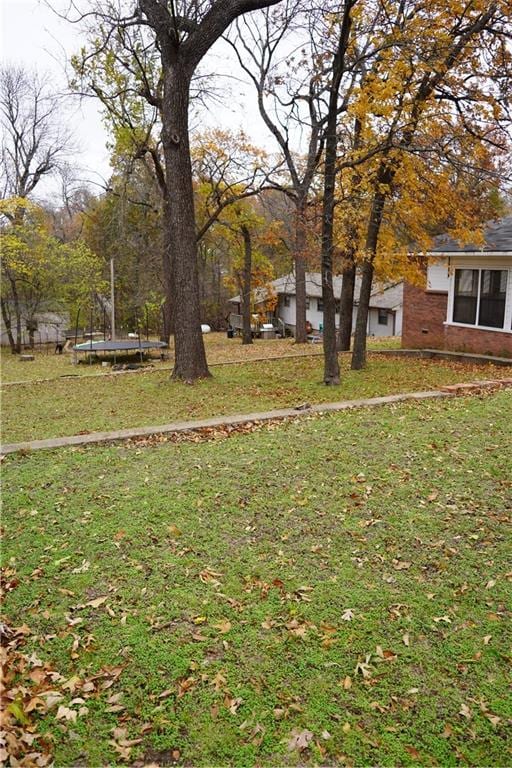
x=112 y=304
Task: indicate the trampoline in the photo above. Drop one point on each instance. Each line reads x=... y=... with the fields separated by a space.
x=118 y=345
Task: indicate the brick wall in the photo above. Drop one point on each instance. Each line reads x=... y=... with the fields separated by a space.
x=423 y=317
x=475 y=340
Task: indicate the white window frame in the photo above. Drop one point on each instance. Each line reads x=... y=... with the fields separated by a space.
x=507 y=321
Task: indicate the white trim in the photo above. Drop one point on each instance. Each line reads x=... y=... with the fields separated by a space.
x=476 y=327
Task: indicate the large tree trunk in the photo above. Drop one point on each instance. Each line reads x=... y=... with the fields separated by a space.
x=372 y=238
x=190 y=357
x=346 y=306
x=331 y=364
x=359 y=351
x=300 y=273
x=246 y=287
x=8 y=328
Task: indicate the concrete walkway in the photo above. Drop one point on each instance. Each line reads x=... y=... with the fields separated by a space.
x=246 y=418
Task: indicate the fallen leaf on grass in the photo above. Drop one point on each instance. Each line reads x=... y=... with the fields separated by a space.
x=209 y=576
x=465 y=711
x=233 y=704
x=219 y=681
x=297 y=629
x=82 y=568
x=97 y=601
x=299 y=740
x=186 y=685
x=493 y=719
x=65 y=713
x=223 y=626
x=385 y=654
x=16 y=709
x=364 y=668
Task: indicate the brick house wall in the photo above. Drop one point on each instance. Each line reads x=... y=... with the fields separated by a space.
x=424 y=314
x=475 y=340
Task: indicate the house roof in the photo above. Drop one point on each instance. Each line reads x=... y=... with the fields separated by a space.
x=497 y=239
x=383 y=296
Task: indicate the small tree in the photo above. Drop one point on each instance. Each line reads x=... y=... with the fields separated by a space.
x=251 y=270
x=38 y=271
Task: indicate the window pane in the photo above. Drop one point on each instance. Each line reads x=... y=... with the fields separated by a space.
x=383 y=317
x=492 y=298
x=320 y=305
x=465 y=296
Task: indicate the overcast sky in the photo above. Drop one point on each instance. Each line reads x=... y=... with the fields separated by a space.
x=32 y=35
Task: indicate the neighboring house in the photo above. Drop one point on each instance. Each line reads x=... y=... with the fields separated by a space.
x=51 y=328
x=466 y=305
x=384 y=318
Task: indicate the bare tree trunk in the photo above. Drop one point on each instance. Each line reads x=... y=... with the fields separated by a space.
x=300 y=273
x=246 y=287
x=17 y=313
x=190 y=357
x=7 y=322
x=372 y=238
x=346 y=307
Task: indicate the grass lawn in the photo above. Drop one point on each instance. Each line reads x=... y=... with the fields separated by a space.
x=64 y=407
x=219 y=349
x=329 y=591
